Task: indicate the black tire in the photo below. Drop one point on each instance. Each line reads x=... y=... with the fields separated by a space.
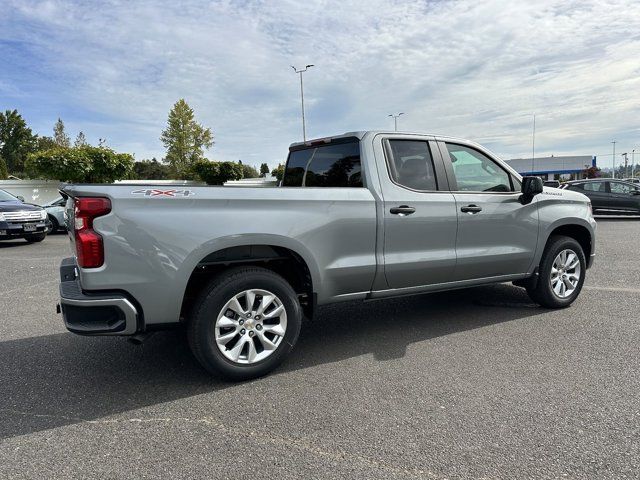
x=35 y=237
x=54 y=224
x=543 y=293
x=201 y=327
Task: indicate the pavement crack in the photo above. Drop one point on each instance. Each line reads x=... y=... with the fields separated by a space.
x=255 y=435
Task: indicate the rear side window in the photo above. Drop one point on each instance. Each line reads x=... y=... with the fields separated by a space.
x=411 y=165
x=621 y=188
x=332 y=165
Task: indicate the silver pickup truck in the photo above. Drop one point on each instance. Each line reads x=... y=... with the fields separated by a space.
x=359 y=216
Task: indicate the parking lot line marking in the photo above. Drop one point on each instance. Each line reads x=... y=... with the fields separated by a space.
x=613 y=289
x=337 y=455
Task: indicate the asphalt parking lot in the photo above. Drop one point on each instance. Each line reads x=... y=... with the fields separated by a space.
x=477 y=383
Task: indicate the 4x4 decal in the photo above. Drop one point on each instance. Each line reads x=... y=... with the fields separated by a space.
x=155 y=192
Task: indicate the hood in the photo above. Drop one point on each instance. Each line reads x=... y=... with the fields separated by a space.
x=564 y=193
x=17 y=206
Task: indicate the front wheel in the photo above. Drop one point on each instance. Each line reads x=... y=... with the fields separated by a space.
x=245 y=323
x=54 y=225
x=561 y=273
x=35 y=237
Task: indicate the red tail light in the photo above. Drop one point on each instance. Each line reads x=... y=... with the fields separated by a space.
x=89 y=248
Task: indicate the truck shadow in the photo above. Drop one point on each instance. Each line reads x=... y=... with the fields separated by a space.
x=56 y=380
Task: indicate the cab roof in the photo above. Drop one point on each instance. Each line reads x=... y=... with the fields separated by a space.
x=361 y=133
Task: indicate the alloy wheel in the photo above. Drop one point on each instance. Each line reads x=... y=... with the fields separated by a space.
x=250 y=326
x=565 y=273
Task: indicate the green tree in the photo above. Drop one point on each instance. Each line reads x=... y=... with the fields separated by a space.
x=81 y=140
x=45 y=143
x=184 y=138
x=264 y=169
x=60 y=136
x=16 y=140
x=80 y=165
x=216 y=173
x=150 y=170
x=248 y=171
x=278 y=172
x=3 y=169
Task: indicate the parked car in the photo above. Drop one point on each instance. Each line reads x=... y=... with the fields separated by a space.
x=55 y=212
x=609 y=196
x=21 y=220
x=552 y=183
x=359 y=216
x=632 y=180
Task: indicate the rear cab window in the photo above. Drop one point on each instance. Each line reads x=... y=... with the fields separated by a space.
x=333 y=164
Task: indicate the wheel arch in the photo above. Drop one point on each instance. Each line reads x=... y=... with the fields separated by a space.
x=279 y=254
x=580 y=231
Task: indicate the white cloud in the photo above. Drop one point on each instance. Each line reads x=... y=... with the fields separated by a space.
x=473 y=69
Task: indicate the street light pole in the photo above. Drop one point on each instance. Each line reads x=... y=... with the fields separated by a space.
x=300 y=72
x=633 y=162
x=533 y=145
x=614 y=159
x=395 y=120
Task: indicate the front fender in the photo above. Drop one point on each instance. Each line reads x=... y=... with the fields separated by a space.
x=560 y=213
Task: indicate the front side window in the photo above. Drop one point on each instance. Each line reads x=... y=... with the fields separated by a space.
x=621 y=188
x=331 y=165
x=594 y=187
x=475 y=172
x=411 y=165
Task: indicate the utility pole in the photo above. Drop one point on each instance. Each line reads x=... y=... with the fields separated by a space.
x=533 y=145
x=300 y=72
x=614 y=159
x=395 y=120
x=633 y=162
x=625 y=163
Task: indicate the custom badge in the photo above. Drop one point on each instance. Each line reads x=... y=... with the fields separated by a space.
x=156 y=192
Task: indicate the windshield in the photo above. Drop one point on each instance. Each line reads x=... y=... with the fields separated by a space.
x=7 y=197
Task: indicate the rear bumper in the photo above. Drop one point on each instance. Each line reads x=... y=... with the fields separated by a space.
x=94 y=313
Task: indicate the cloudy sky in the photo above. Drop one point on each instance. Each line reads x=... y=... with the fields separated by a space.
x=476 y=69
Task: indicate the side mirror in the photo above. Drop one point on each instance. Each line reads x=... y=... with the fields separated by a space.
x=531 y=186
x=20 y=197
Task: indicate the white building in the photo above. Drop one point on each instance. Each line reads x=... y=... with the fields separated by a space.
x=567 y=167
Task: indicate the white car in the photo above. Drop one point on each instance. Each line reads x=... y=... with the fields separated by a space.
x=55 y=212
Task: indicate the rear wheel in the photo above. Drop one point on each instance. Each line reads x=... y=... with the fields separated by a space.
x=54 y=224
x=35 y=237
x=561 y=273
x=245 y=323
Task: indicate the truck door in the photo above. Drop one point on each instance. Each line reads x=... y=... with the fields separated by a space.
x=497 y=235
x=419 y=213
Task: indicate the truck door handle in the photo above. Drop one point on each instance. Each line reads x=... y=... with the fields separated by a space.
x=402 y=210
x=471 y=209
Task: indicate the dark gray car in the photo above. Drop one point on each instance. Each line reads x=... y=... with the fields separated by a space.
x=609 y=196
